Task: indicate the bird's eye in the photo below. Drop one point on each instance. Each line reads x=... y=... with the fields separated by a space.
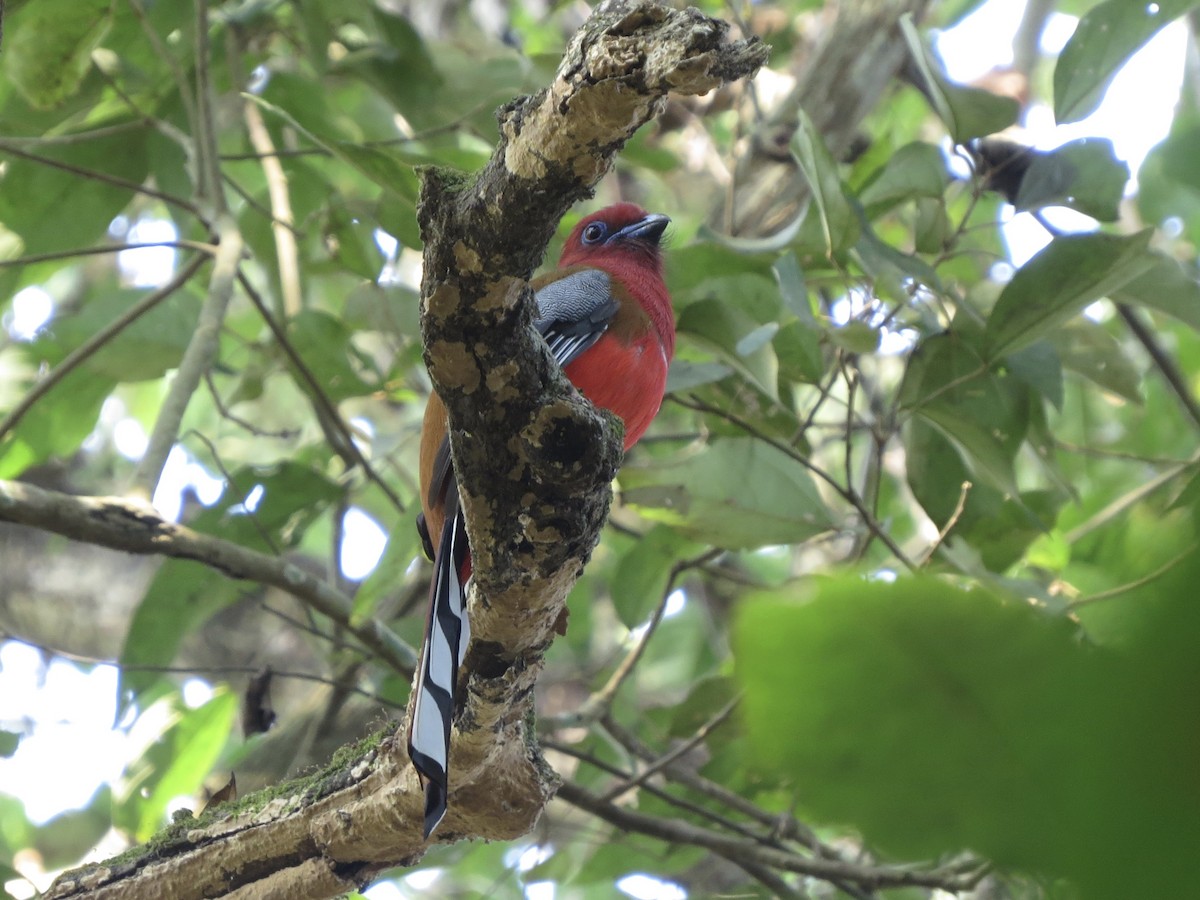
x=594 y=233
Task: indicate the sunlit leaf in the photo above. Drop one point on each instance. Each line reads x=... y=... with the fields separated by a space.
x=1060 y=281
x=839 y=223
x=965 y=111
x=1107 y=35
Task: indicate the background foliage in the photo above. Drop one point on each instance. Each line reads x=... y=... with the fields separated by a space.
x=907 y=557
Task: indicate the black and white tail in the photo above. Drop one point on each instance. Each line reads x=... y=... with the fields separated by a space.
x=447 y=632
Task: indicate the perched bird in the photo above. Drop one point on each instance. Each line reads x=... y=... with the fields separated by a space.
x=606 y=316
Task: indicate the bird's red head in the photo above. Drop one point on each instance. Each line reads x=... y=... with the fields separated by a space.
x=626 y=241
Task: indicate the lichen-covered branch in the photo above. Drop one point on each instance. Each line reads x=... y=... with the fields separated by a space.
x=534 y=461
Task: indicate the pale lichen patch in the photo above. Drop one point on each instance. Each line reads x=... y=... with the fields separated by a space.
x=452 y=366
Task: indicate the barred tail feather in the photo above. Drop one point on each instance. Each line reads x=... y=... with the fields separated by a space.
x=447 y=632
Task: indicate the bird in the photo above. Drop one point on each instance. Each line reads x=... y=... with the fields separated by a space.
x=605 y=313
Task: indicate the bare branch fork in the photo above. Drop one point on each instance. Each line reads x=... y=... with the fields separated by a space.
x=534 y=464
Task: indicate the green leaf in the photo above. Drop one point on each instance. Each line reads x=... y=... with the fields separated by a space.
x=855 y=337
x=145 y=349
x=685 y=374
x=350 y=241
x=181 y=597
x=935 y=719
x=325 y=345
x=1089 y=350
x=9 y=740
x=1107 y=35
x=643 y=571
x=798 y=349
x=57 y=424
x=177 y=763
x=735 y=493
x=1167 y=287
x=48 y=47
x=1039 y=367
x=723 y=326
x=1071 y=272
x=989 y=458
x=965 y=111
x=34 y=195
x=839 y=223
x=915 y=170
x=790 y=278
x=1084 y=175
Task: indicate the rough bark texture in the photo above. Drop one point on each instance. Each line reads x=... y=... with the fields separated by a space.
x=534 y=463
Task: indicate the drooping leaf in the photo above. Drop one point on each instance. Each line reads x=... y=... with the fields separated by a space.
x=181 y=597
x=966 y=112
x=734 y=493
x=839 y=223
x=1107 y=35
x=1167 y=287
x=1057 y=283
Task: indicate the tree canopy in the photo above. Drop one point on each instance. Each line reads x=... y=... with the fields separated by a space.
x=893 y=599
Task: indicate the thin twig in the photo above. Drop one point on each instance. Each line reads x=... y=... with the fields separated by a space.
x=210 y=249
x=787 y=826
x=131 y=526
x=1140 y=582
x=284 y=434
x=676 y=752
x=591 y=759
x=845 y=493
x=600 y=702
x=950 y=523
x=105 y=177
x=98 y=340
x=1162 y=360
x=196 y=670
x=197 y=358
x=677 y=831
x=345 y=445
x=1122 y=503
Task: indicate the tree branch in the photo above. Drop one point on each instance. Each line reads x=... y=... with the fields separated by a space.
x=535 y=461
x=677 y=831
x=121 y=524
